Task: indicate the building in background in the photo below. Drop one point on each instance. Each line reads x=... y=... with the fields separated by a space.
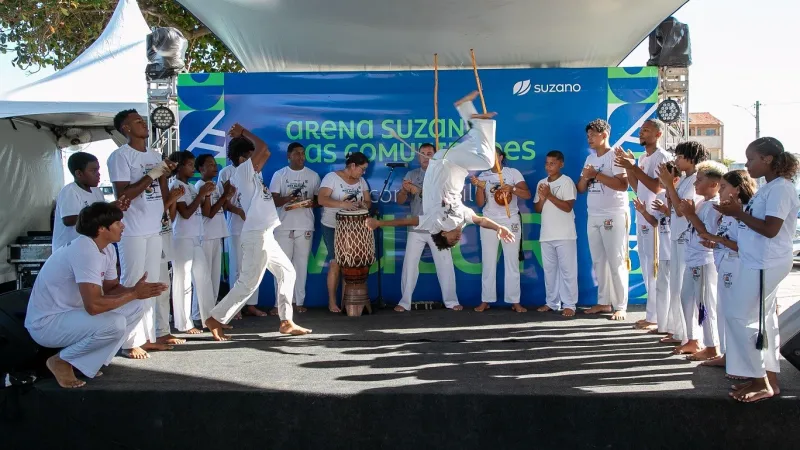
x=709 y=131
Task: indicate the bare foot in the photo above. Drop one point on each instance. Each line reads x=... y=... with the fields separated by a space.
x=706 y=354
x=714 y=362
x=596 y=309
x=253 y=311
x=134 y=353
x=300 y=309
x=156 y=347
x=98 y=374
x=273 y=312
x=482 y=307
x=644 y=325
x=63 y=372
x=238 y=316
x=399 y=308
x=467 y=98
x=619 y=315
x=544 y=308
x=170 y=340
x=669 y=339
x=688 y=348
x=655 y=331
x=487 y=115
x=457 y=308
x=193 y=331
x=289 y=327
x=333 y=308
x=518 y=308
x=758 y=390
x=568 y=312
x=215 y=326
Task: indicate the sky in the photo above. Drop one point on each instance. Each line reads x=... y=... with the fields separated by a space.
x=742 y=51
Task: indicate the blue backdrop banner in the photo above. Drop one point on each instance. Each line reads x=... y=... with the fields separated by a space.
x=334 y=113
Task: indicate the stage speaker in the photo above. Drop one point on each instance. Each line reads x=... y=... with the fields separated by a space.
x=789 y=323
x=18 y=351
x=669 y=45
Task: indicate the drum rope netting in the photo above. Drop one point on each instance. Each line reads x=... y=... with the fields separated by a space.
x=354 y=243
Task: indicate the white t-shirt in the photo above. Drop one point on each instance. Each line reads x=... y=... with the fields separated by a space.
x=602 y=200
x=193 y=226
x=143 y=217
x=441 y=202
x=492 y=209
x=233 y=221
x=215 y=227
x=259 y=209
x=696 y=254
x=71 y=200
x=649 y=165
x=777 y=198
x=340 y=190
x=729 y=229
x=296 y=183
x=664 y=230
x=556 y=224
x=56 y=288
x=680 y=225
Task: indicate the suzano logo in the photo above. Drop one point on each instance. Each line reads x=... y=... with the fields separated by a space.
x=523 y=87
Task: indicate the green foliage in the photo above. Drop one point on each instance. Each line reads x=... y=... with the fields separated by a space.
x=54 y=32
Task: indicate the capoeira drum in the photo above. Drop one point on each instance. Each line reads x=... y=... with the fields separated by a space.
x=354 y=245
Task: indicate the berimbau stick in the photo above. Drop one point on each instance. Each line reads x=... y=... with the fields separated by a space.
x=436 y=98
x=483 y=104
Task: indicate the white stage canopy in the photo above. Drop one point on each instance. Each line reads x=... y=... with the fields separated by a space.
x=105 y=79
x=326 y=35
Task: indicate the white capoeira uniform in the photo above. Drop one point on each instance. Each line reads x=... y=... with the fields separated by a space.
x=140 y=247
x=57 y=318
x=296 y=231
x=490 y=241
x=765 y=263
x=163 y=300
x=699 y=290
x=664 y=266
x=214 y=231
x=680 y=237
x=443 y=208
x=558 y=239
x=416 y=240
x=70 y=201
x=727 y=262
x=646 y=237
x=234 y=242
x=189 y=265
x=260 y=251
x=607 y=228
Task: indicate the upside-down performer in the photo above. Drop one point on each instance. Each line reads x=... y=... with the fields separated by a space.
x=443 y=212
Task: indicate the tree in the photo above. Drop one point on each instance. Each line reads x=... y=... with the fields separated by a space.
x=54 y=32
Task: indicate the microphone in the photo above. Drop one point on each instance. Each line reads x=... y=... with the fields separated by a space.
x=395 y=165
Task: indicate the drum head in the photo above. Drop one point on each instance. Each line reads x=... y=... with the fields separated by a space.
x=354 y=212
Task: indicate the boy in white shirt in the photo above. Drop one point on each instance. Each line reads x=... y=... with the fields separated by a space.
x=140 y=174
x=608 y=223
x=555 y=198
x=77 y=303
x=260 y=251
x=290 y=186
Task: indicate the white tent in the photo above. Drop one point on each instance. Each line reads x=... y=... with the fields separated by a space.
x=104 y=79
x=325 y=35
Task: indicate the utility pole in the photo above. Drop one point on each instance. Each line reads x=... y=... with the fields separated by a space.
x=758 y=116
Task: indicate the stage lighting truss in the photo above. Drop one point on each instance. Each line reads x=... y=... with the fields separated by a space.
x=162 y=118
x=669 y=111
x=673 y=105
x=162 y=104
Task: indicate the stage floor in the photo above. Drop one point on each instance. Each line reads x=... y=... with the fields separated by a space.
x=441 y=373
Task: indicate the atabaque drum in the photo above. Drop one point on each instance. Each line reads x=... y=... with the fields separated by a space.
x=354 y=246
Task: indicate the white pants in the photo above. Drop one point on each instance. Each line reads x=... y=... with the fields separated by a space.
x=560 y=264
x=212 y=249
x=677 y=264
x=645 y=243
x=489 y=246
x=608 y=245
x=700 y=288
x=162 y=301
x=260 y=251
x=742 y=312
x=89 y=342
x=662 y=294
x=476 y=150
x=137 y=255
x=727 y=284
x=235 y=262
x=189 y=267
x=296 y=244
x=445 y=271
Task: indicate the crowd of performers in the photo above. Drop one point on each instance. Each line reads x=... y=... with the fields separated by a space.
x=713 y=249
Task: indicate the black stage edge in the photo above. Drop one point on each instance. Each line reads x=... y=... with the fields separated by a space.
x=425 y=379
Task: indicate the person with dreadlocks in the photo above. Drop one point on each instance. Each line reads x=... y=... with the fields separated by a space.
x=766 y=230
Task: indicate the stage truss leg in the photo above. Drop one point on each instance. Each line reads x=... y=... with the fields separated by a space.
x=673 y=83
x=163 y=92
